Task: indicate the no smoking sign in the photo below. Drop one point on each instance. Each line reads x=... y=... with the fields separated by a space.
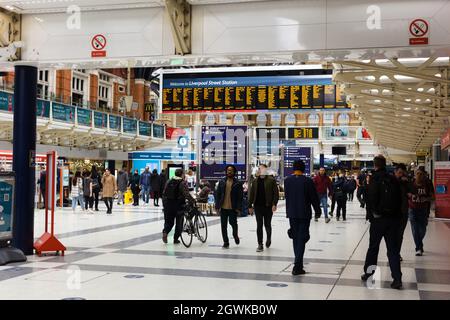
x=98 y=43
x=419 y=29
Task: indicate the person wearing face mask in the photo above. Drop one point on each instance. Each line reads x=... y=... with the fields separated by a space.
x=341 y=197
x=263 y=200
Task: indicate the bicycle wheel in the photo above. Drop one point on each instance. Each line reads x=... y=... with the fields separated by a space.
x=201 y=227
x=187 y=234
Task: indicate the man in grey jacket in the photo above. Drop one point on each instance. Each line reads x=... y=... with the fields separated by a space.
x=122 y=184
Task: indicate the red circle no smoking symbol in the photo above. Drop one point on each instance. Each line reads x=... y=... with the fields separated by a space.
x=98 y=42
x=418 y=28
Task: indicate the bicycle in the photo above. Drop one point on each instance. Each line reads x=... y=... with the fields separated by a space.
x=194 y=225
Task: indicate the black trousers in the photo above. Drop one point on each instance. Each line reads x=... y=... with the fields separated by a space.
x=333 y=203
x=342 y=206
x=88 y=201
x=231 y=216
x=173 y=216
x=263 y=218
x=109 y=203
x=360 y=196
x=403 y=224
x=388 y=229
x=300 y=234
x=156 y=197
x=351 y=195
x=136 y=192
x=96 y=197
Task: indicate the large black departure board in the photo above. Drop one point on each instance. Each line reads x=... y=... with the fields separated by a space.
x=250 y=91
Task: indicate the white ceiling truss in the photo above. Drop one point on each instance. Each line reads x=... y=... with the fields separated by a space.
x=404 y=104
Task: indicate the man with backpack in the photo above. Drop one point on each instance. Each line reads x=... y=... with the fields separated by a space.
x=175 y=194
x=340 y=194
x=384 y=214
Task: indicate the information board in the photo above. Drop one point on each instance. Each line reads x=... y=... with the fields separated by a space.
x=222 y=146
x=268 y=140
x=100 y=120
x=129 y=125
x=303 y=133
x=6 y=206
x=158 y=131
x=145 y=129
x=63 y=112
x=84 y=117
x=250 y=91
x=114 y=123
x=292 y=153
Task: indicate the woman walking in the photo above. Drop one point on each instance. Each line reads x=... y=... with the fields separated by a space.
x=155 y=183
x=135 y=187
x=77 y=191
x=96 y=186
x=419 y=198
x=87 y=191
x=109 y=190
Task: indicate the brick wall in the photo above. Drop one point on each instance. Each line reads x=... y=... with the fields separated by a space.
x=93 y=91
x=63 y=85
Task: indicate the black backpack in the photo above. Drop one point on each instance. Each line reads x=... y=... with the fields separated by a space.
x=172 y=191
x=389 y=196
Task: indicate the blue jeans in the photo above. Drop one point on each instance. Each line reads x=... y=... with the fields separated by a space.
x=75 y=202
x=300 y=233
x=324 y=204
x=146 y=193
x=419 y=221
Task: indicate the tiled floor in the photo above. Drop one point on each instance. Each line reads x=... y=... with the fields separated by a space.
x=121 y=256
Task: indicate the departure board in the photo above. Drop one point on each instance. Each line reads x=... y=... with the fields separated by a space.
x=303 y=133
x=250 y=91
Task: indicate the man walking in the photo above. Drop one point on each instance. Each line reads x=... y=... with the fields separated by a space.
x=175 y=195
x=323 y=186
x=263 y=200
x=145 y=185
x=228 y=200
x=300 y=195
x=122 y=185
x=384 y=214
x=361 y=183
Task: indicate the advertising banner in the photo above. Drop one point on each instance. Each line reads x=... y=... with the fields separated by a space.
x=43 y=108
x=6 y=101
x=63 y=112
x=129 y=125
x=297 y=153
x=363 y=134
x=6 y=206
x=445 y=140
x=442 y=185
x=222 y=146
x=145 y=129
x=84 y=117
x=332 y=133
x=114 y=123
x=100 y=120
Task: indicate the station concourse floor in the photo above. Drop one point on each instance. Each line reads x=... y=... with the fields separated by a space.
x=121 y=256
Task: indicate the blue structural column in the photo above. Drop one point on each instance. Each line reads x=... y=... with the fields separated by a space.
x=24 y=151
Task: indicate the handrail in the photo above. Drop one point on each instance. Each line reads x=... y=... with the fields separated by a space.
x=85 y=117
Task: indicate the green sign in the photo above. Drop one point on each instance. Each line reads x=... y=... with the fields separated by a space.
x=6 y=207
x=144 y=129
x=6 y=101
x=43 y=108
x=63 y=112
x=114 y=123
x=129 y=125
x=100 y=120
x=84 y=117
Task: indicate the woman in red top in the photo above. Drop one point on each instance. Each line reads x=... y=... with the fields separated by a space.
x=420 y=196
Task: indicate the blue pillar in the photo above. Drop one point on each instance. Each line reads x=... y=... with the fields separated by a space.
x=322 y=160
x=24 y=150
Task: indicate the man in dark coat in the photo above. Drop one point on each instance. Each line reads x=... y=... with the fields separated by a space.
x=300 y=194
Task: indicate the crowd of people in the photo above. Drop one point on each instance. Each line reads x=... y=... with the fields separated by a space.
x=389 y=200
